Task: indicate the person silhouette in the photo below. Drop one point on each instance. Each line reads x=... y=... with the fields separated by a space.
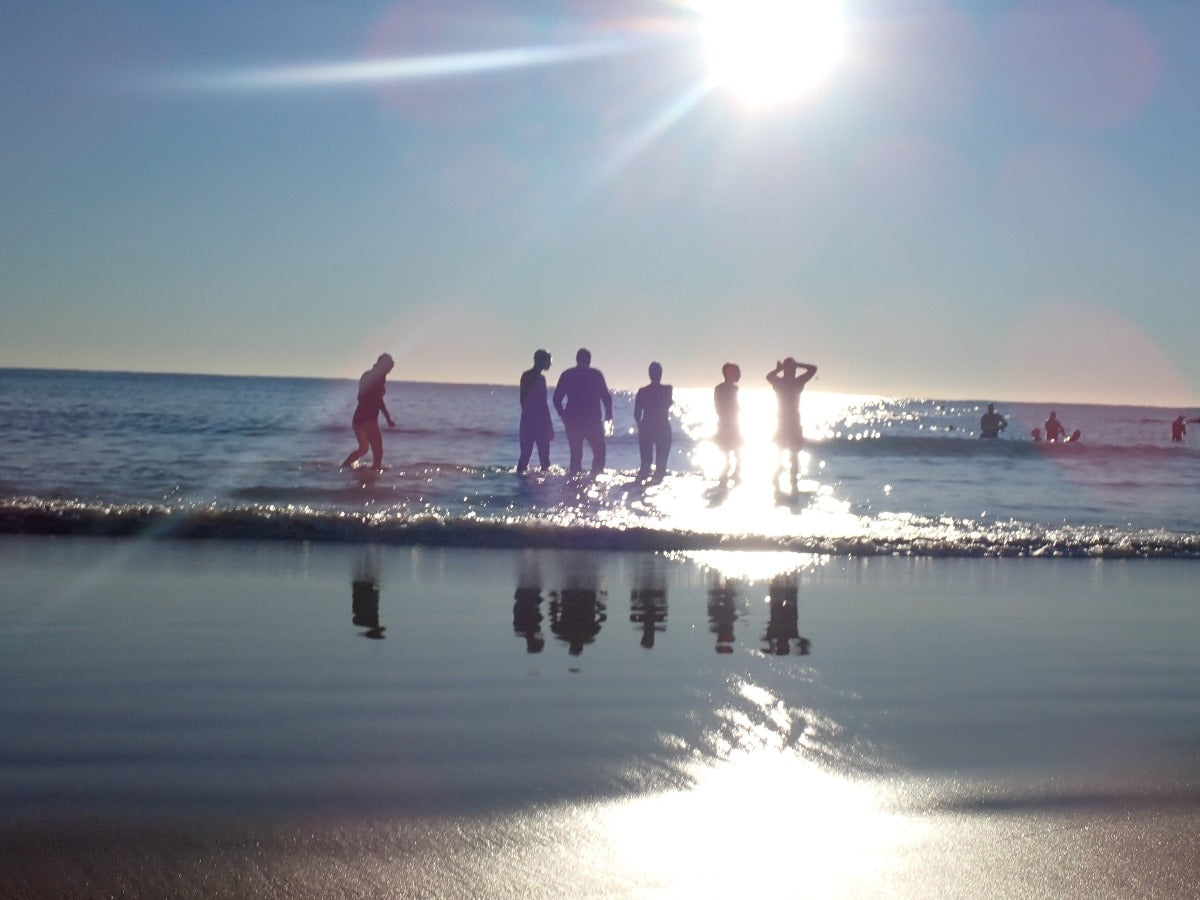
x=1178 y=429
x=651 y=411
x=991 y=423
x=371 y=389
x=584 y=404
x=788 y=382
x=1053 y=429
x=1036 y=434
x=729 y=434
x=536 y=428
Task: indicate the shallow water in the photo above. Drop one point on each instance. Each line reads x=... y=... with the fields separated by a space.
x=124 y=454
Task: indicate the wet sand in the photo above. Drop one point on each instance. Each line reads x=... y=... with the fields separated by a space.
x=273 y=719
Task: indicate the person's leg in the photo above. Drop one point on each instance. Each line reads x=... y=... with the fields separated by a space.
x=596 y=440
x=662 y=450
x=646 y=448
x=363 y=446
x=575 y=446
x=526 y=441
x=543 y=448
x=375 y=437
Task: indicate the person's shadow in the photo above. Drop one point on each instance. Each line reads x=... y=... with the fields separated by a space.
x=579 y=609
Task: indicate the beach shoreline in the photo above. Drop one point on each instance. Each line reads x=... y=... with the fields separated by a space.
x=232 y=718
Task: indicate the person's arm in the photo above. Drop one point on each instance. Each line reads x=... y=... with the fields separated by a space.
x=773 y=375
x=639 y=406
x=809 y=371
x=560 y=391
x=526 y=384
x=605 y=398
x=387 y=415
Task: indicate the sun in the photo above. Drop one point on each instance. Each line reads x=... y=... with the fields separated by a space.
x=766 y=52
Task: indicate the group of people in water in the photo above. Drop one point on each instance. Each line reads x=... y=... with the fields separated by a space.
x=584 y=405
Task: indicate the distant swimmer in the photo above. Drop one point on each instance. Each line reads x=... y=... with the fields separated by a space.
x=651 y=412
x=788 y=382
x=536 y=428
x=371 y=389
x=729 y=433
x=1178 y=429
x=1036 y=434
x=991 y=423
x=1054 y=430
x=584 y=404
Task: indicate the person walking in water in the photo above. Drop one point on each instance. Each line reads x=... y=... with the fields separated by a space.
x=371 y=389
x=991 y=423
x=651 y=411
x=788 y=381
x=729 y=433
x=584 y=404
x=536 y=428
x=1178 y=429
x=1054 y=430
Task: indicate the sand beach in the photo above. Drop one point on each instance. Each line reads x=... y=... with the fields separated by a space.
x=208 y=718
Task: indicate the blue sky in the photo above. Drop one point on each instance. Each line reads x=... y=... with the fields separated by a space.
x=978 y=200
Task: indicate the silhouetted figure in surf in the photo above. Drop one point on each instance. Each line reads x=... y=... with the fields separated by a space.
x=788 y=381
x=991 y=423
x=584 y=404
x=1178 y=429
x=371 y=389
x=536 y=428
x=651 y=411
x=729 y=432
x=1053 y=429
x=1075 y=437
x=1036 y=434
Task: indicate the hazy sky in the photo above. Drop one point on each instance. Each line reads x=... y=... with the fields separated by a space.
x=978 y=199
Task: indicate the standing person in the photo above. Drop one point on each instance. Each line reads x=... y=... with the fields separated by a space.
x=584 y=404
x=651 y=411
x=729 y=433
x=788 y=381
x=371 y=389
x=1054 y=430
x=991 y=423
x=536 y=427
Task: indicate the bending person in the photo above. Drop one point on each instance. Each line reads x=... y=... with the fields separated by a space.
x=651 y=412
x=371 y=389
x=584 y=404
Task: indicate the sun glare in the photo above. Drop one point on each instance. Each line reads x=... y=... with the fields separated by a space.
x=766 y=52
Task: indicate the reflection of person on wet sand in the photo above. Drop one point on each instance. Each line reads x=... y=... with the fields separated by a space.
x=527 y=618
x=648 y=608
x=722 y=613
x=536 y=427
x=783 y=624
x=575 y=616
x=371 y=389
x=991 y=423
x=584 y=404
x=651 y=412
x=729 y=434
x=1054 y=430
x=788 y=382
x=364 y=601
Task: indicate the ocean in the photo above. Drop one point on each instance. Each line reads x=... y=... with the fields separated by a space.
x=118 y=454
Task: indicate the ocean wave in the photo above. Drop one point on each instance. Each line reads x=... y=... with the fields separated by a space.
x=931 y=538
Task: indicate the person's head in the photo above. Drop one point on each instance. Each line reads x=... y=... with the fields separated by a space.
x=991 y=407
x=789 y=366
x=731 y=372
x=541 y=359
x=584 y=357
x=1053 y=414
x=655 y=372
x=385 y=362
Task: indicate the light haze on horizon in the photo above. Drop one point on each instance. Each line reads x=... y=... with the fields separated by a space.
x=992 y=199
